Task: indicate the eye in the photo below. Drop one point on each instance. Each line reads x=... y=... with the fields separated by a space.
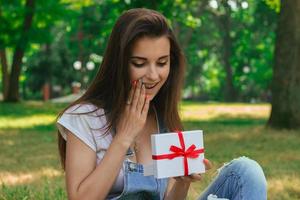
x=162 y=64
x=138 y=64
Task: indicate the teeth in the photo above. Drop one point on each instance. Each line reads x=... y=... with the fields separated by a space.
x=150 y=86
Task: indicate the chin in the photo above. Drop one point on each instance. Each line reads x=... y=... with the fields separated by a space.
x=151 y=96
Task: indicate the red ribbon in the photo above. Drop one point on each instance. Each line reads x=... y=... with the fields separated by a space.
x=191 y=152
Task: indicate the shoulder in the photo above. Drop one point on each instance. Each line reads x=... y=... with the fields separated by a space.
x=84 y=108
x=86 y=114
x=84 y=121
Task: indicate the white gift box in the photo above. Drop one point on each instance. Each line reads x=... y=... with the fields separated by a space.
x=176 y=154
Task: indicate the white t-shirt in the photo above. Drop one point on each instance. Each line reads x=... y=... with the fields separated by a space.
x=90 y=129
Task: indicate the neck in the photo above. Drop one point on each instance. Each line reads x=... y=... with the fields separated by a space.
x=151 y=111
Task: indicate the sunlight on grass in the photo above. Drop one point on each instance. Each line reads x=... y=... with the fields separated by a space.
x=10 y=179
x=211 y=111
x=286 y=187
x=26 y=122
x=230 y=130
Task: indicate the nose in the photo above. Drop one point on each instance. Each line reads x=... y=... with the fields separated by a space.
x=152 y=73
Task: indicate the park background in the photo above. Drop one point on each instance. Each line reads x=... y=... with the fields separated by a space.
x=242 y=84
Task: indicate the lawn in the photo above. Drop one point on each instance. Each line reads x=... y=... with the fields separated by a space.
x=29 y=166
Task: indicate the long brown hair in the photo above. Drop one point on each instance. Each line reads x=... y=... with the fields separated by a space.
x=110 y=88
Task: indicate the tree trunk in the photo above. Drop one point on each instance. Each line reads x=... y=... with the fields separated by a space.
x=4 y=67
x=5 y=75
x=13 y=91
x=225 y=26
x=286 y=71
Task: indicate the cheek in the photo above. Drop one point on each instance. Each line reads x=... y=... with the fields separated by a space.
x=165 y=73
x=134 y=73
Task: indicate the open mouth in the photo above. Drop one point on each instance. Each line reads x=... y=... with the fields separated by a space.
x=150 y=86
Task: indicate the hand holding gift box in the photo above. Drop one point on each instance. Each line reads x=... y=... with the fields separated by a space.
x=177 y=154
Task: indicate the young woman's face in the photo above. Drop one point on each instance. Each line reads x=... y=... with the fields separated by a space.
x=150 y=62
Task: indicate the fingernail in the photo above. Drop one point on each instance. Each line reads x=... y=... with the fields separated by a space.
x=205 y=161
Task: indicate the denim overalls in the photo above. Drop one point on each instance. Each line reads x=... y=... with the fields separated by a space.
x=136 y=185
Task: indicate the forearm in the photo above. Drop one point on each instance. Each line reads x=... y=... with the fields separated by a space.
x=98 y=184
x=178 y=190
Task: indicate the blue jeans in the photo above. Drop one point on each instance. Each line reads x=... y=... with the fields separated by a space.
x=241 y=179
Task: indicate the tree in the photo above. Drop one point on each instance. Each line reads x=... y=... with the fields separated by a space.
x=225 y=28
x=228 y=43
x=24 y=24
x=286 y=76
x=11 y=83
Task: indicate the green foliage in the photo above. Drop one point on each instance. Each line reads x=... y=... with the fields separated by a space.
x=274 y=4
x=47 y=13
x=253 y=52
x=69 y=30
x=51 y=64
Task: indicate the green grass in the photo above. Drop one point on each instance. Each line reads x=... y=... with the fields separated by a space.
x=29 y=166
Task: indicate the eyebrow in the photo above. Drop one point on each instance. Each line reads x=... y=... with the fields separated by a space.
x=142 y=58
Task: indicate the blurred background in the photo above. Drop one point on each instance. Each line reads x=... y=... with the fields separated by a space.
x=242 y=84
x=58 y=45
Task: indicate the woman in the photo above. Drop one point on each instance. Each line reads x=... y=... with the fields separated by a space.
x=104 y=137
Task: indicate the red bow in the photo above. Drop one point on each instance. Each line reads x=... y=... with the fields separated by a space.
x=191 y=152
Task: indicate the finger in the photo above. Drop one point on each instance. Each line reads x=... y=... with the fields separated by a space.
x=182 y=178
x=186 y=178
x=131 y=92
x=178 y=178
x=146 y=106
x=196 y=177
x=136 y=94
x=207 y=164
x=141 y=100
